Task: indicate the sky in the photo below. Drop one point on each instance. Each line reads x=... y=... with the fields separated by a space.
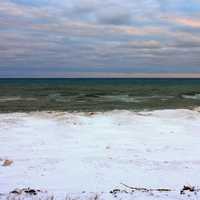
x=53 y=38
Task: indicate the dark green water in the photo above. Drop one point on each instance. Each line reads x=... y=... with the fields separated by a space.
x=22 y=95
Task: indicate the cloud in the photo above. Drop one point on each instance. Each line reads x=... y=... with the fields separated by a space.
x=31 y=2
x=94 y=35
x=194 y=23
x=151 y=44
x=115 y=17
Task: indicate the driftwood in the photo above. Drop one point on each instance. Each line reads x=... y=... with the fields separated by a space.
x=146 y=189
x=141 y=189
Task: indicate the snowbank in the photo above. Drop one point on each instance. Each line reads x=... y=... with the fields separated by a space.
x=78 y=153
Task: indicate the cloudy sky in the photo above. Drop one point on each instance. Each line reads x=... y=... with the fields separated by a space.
x=51 y=37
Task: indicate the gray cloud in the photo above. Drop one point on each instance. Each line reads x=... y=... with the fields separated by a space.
x=86 y=35
x=114 y=16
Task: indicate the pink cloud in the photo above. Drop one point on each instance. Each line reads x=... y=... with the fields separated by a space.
x=195 y=23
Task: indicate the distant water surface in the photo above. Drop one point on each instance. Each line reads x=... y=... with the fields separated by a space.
x=23 y=95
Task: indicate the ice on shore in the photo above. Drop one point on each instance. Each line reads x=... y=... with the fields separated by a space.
x=70 y=153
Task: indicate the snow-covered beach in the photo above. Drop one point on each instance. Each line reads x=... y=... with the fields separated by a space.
x=84 y=154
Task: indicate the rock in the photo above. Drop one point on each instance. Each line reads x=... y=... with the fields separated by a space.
x=30 y=191
x=187 y=188
x=7 y=163
x=115 y=191
x=16 y=191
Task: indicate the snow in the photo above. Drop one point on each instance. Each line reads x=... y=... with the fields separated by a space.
x=83 y=154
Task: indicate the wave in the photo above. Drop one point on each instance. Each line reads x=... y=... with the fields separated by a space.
x=191 y=96
x=57 y=97
x=16 y=98
x=135 y=99
x=125 y=98
x=121 y=98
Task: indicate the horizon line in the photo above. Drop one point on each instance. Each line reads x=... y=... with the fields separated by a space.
x=107 y=75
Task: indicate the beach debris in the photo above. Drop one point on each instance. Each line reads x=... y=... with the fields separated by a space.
x=131 y=190
x=25 y=191
x=115 y=191
x=187 y=188
x=7 y=163
x=146 y=189
x=16 y=191
x=30 y=191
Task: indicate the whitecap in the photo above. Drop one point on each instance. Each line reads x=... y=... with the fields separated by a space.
x=135 y=99
x=57 y=97
x=122 y=98
x=16 y=98
x=187 y=96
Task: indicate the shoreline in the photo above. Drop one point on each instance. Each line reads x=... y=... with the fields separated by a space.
x=195 y=108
